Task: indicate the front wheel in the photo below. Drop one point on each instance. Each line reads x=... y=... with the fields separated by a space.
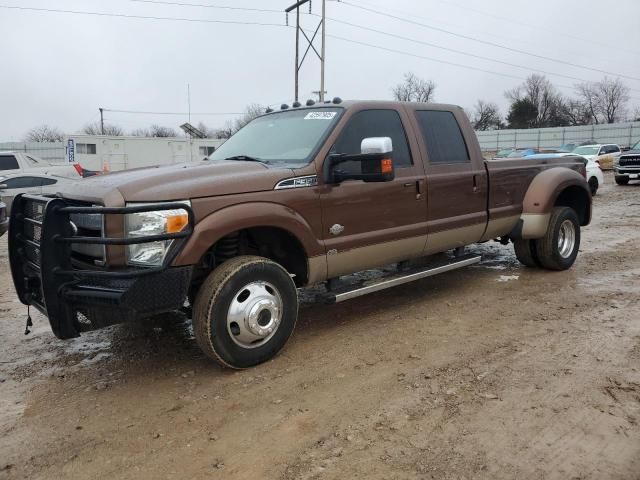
x=558 y=249
x=245 y=311
x=622 y=180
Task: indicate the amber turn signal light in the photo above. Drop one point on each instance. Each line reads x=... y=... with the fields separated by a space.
x=175 y=223
x=386 y=165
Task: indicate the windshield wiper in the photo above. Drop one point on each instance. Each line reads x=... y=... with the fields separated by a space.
x=246 y=158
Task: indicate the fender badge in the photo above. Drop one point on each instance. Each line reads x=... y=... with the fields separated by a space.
x=336 y=229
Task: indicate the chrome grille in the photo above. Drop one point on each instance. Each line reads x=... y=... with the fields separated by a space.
x=89 y=225
x=629 y=161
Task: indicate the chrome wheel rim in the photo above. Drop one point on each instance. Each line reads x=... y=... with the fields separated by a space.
x=254 y=315
x=566 y=239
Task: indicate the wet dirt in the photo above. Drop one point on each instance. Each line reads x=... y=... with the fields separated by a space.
x=494 y=371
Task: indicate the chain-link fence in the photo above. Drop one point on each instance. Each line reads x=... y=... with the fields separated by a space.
x=51 y=152
x=623 y=134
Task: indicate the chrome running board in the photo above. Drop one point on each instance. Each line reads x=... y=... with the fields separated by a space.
x=376 y=285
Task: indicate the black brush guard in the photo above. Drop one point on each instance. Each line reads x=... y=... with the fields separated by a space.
x=74 y=299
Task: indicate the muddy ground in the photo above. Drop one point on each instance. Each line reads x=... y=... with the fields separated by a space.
x=495 y=371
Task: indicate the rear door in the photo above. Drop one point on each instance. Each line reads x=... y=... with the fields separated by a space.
x=372 y=224
x=457 y=185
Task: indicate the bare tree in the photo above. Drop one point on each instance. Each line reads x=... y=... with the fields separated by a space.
x=577 y=112
x=208 y=132
x=44 y=134
x=155 y=131
x=606 y=100
x=614 y=97
x=486 y=116
x=540 y=92
x=95 y=128
x=590 y=97
x=251 y=111
x=414 y=89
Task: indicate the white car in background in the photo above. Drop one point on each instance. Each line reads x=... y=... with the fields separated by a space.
x=603 y=154
x=18 y=162
x=34 y=183
x=595 y=177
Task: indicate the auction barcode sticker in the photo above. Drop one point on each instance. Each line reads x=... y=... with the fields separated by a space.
x=320 y=115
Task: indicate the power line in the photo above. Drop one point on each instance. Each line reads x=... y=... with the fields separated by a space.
x=140 y=112
x=485 y=42
x=539 y=27
x=461 y=52
x=445 y=62
x=140 y=17
x=209 y=5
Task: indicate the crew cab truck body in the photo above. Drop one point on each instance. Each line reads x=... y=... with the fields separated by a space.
x=18 y=162
x=627 y=166
x=296 y=198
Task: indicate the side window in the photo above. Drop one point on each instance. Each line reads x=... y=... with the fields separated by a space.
x=23 y=182
x=443 y=137
x=374 y=123
x=613 y=149
x=48 y=181
x=8 y=162
x=86 y=148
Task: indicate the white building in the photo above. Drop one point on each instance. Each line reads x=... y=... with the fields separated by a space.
x=105 y=153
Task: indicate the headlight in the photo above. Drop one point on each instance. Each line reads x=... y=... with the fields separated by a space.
x=153 y=223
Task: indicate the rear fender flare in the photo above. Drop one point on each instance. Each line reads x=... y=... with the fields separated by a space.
x=541 y=197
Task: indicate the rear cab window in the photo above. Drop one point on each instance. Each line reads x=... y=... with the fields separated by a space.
x=9 y=162
x=443 y=137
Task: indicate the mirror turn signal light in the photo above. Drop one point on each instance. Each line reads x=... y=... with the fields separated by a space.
x=386 y=165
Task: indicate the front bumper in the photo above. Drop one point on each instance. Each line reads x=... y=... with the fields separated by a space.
x=631 y=171
x=76 y=300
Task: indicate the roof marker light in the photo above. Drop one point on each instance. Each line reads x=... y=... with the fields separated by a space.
x=310 y=103
x=295 y=104
x=284 y=106
x=337 y=100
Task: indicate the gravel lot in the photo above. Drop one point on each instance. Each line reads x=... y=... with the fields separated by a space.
x=495 y=371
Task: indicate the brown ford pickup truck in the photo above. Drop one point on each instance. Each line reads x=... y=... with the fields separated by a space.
x=298 y=197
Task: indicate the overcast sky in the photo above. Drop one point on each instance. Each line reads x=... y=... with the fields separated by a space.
x=59 y=68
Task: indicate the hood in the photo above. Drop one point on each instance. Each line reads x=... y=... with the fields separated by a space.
x=176 y=182
x=590 y=157
x=633 y=153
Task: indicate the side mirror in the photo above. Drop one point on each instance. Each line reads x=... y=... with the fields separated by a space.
x=375 y=162
x=3 y=186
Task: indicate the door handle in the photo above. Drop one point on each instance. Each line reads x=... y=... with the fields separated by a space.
x=408 y=184
x=475 y=183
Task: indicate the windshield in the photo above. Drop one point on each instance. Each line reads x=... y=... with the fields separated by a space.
x=636 y=146
x=288 y=137
x=586 y=150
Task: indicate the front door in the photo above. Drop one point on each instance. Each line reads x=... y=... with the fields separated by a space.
x=457 y=186
x=372 y=224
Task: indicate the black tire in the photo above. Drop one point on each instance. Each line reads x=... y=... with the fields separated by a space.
x=226 y=285
x=525 y=253
x=593 y=185
x=622 y=180
x=548 y=249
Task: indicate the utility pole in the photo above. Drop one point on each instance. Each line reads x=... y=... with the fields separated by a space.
x=101 y=120
x=310 y=45
x=322 y=54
